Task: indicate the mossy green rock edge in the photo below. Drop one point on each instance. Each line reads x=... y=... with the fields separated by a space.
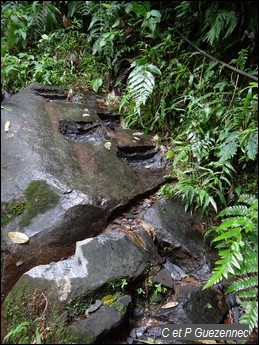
x=40 y=198
x=30 y=304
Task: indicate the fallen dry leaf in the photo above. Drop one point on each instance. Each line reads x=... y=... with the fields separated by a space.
x=7 y=126
x=137 y=239
x=108 y=145
x=170 y=305
x=138 y=133
x=19 y=263
x=18 y=237
x=148 y=228
x=156 y=138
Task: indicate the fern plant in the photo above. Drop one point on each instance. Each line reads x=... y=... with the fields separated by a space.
x=140 y=86
x=220 y=22
x=237 y=244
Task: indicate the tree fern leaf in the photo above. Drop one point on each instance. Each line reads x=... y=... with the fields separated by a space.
x=243 y=283
x=141 y=82
x=215 y=278
x=230 y=23
x=248 y=294
x=251 y=316
x=248 y=199
x=233 y=233
x=219 y=273
x=252 y=146
x=236 y=210
x=77 y=7
x=220 y=21
x=229 y=148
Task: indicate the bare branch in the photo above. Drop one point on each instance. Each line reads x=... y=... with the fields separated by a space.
x=217 y=60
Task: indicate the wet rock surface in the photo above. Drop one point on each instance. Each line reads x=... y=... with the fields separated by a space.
x=90 y=239
x=99 y=323
x=63 y=143
x=182 y=233
x=97 y=261
x=195 y=306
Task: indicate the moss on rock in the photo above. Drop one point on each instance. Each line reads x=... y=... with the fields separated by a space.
x=10 y=210
x=40 y=198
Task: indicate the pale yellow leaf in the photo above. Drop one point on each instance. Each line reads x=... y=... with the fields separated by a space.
x=148 y=166
x=138 y=133
x=18 y=237
x=19 y=263
x=109 y=299
x=108 y=145
x=169 y=305
x=136 y=138
x=156 y=138
x=7 y=126
x=86 y=114
x=122 y=123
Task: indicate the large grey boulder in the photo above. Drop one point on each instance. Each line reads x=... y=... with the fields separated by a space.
x=104 y=258
x=181 y=232
x=82 y=153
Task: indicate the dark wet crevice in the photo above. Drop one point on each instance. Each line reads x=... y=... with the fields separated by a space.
x=147 y=157
x=51 y=93
x=82 y=131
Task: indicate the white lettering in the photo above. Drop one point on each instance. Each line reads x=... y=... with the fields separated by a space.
x=165 y=329
x=246 y=333
x=198 y=332
x=188 y=330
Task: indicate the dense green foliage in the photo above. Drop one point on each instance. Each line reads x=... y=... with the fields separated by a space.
x=154 y=57
x=237 y=243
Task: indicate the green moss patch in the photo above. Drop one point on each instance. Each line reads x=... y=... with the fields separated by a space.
x=40 y=198
x=11 y=210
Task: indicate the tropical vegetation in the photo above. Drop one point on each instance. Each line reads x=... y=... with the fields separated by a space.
x=185 y=70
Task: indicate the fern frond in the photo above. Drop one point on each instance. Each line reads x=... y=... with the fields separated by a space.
x=226 y=266
x=242 y=58
x=249 y=294
x=250 y=264
x=243 y=283
x=236 y=210
x=77 y=7
x=229 y=147
x=248 y=199
x=141 y=82
x=220 y=21
x=252 y=146
x=251 y=314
